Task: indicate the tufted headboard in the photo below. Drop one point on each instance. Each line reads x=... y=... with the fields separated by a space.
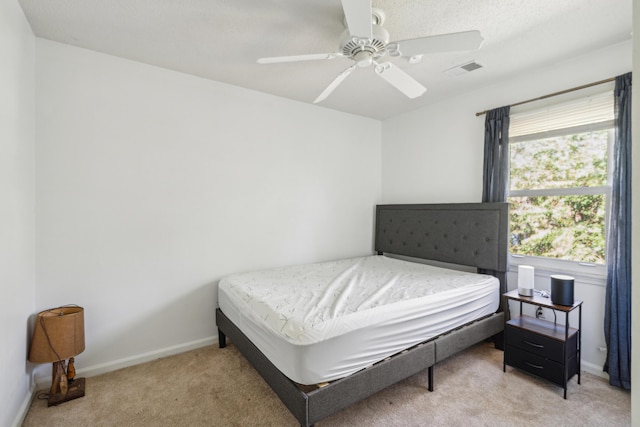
x=471 y=234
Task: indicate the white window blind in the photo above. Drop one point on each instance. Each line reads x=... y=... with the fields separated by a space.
x=594 y=109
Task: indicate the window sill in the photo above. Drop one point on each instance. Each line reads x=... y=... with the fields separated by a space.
x=592 y=274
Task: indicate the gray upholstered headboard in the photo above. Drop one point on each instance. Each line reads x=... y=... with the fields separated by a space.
x=472 y=234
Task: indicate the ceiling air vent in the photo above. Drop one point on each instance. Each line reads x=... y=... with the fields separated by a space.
x=459 y=70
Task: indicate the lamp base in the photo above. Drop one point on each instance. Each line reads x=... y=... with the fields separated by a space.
x=75 y=390
x=527 y=292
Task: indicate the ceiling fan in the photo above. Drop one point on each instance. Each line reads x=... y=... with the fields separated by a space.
x=367 y=43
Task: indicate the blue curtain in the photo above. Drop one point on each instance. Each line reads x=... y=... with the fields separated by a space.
x=617 y=318
x=495 y=182
x=495 y=173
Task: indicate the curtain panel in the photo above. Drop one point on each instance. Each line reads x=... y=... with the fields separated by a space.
x=617 y=321
x=495 y=172
x=495 y=181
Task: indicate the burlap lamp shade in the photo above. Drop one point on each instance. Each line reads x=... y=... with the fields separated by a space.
x=58 y=335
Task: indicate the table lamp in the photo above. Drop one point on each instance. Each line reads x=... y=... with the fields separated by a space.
x=59 y=335
x=526 y=279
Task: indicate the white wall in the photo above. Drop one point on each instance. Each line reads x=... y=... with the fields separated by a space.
x=17 y=47
x=435 y=155
x=152 y=185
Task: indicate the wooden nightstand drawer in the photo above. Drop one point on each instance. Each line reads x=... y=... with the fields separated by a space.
x=538 y=365
x=539 y=344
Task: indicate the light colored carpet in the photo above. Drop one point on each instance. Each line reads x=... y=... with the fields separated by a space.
x=218 y=387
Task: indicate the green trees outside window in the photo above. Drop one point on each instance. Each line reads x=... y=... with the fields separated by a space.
x=558 y=189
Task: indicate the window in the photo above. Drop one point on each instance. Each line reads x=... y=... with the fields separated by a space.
x=559 y=180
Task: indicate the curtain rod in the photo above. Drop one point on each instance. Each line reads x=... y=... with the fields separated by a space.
x=562 y=92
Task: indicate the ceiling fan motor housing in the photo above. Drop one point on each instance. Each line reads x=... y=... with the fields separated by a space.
x=352 y=47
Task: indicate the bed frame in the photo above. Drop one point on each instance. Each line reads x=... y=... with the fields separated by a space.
x=468 y=234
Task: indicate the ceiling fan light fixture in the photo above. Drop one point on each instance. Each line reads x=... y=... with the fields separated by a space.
x=363 y=58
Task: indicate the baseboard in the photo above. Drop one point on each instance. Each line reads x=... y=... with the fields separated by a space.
x=26 y=404
x=594 y=370
x=45 y=382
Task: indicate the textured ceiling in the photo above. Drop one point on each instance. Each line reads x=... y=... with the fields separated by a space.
x=221 y=40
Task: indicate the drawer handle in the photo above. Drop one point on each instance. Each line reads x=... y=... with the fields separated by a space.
x=534 y=366
x=533 y=344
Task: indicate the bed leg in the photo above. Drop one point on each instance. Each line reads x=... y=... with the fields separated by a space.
x=430 y=374
x=498 y=341
x=222 y=339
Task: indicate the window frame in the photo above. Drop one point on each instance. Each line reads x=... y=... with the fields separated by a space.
x=587 y=272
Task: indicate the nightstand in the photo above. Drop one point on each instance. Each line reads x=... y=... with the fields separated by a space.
x=546 y=349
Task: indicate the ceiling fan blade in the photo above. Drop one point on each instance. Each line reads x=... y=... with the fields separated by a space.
x=399 y=79
x=295 y=58
x=334 y=84
x=358 y=16
x=466 y=40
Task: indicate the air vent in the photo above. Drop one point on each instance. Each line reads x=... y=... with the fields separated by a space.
x=459 y=70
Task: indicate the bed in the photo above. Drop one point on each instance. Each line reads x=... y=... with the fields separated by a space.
x=327 y=335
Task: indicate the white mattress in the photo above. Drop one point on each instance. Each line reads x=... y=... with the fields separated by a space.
x=321 y=322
